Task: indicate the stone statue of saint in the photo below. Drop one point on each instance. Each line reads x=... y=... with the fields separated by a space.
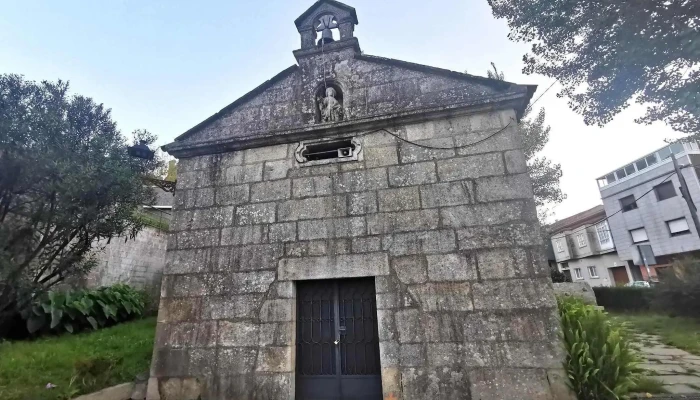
x=331 y=109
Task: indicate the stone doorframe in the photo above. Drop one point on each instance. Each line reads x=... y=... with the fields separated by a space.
x=341 y=267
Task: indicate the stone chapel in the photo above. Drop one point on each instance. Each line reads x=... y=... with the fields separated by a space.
x=357 y=227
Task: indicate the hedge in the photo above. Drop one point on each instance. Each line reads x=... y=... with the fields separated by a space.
x=624 y=298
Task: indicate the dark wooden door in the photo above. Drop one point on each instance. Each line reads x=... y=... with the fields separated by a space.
x=337 y=341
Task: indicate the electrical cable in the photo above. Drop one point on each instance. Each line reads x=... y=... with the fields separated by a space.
x=618 y=211
x=437 y=147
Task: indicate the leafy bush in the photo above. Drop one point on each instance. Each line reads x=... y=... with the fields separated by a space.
x=678 y=292
x=624 y=298
x=600 y=361
x=72 y=311
x=558 y=276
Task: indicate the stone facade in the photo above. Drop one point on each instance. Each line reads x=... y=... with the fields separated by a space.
x=465 y=306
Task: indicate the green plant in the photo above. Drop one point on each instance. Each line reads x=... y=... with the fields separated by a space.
x=624 y=298
x=678 y=292
x=600 y=361
x=80 y=309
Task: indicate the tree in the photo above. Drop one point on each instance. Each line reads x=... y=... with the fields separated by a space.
x=545 y=175
x=66 y=181
x=608 y=54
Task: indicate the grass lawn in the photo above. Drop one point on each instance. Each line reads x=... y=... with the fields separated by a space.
x=681 y=332
x=76 y=364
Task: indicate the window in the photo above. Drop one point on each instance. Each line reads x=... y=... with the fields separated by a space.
x=629 y=169
x=641 y=164
x=651 y=159
x=628 y=203
x=593 y=272
x=639 y=235
x=577 y=273
x=610 y=177
x=560 y=248
x=620 y=173
x=581 y=239
x=665 y=191
x=678 y=227
x=603 y=232
x=328 y=150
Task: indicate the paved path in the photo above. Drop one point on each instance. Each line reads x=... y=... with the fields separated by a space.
x=676 y=368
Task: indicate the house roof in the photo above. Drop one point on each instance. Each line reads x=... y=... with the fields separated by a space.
x=338 y=4
x=587 y=217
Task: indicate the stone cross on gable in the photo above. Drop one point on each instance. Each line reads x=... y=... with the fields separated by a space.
x=326 y=23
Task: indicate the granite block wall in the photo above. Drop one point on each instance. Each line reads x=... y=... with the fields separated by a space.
x=465 y=304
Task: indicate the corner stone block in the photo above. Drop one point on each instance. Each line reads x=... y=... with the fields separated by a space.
x=179 y=310
x=503 y=263
x=516 y=163
x=280 y=310
x=507 y=235
x=380 y=156
x=241 y=174
x=274 y=170
x=512 y=294
x=341 y=266
x=497 y=384
x=389 y=354
x=238 y=334
x=504 y=188
x=275 y=359
x=391 y=383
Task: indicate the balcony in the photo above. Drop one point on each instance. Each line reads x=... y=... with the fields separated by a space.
x=647 y=163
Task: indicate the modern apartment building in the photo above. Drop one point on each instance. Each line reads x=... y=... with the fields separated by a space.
x=585 y=251
x=645 y=207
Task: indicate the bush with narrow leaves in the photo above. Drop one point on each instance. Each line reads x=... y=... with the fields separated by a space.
x=75 y=310
x=600 y=361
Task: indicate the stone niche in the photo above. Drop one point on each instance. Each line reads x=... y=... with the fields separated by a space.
x=462 y=301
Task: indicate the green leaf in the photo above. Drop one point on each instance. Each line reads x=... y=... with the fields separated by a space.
x=56 y=315
x=92 y=322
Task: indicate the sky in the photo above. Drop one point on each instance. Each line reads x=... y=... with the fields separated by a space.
x=167 y=65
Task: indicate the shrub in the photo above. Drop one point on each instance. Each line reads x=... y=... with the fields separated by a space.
x=600 y=361
x=624 y=298
x=72 y=311
x=678 y=292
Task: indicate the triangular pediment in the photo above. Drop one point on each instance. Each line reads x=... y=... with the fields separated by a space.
x=342 y=11
x=375 y=89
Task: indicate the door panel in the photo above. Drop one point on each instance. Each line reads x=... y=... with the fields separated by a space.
x=337 y=340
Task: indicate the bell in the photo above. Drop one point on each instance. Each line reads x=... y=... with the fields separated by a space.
x=326 y=36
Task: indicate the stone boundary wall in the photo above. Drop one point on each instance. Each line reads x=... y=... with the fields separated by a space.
x=138 y=262
x=465 y=302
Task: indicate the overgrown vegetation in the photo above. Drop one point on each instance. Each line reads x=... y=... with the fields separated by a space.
x=76 y=364
x=600 y=361
x=609 y=54
x=76 y=310
x=624 y=298
x=545 y=174
x=66 y=181
x=678 y=293
x=681 y=332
